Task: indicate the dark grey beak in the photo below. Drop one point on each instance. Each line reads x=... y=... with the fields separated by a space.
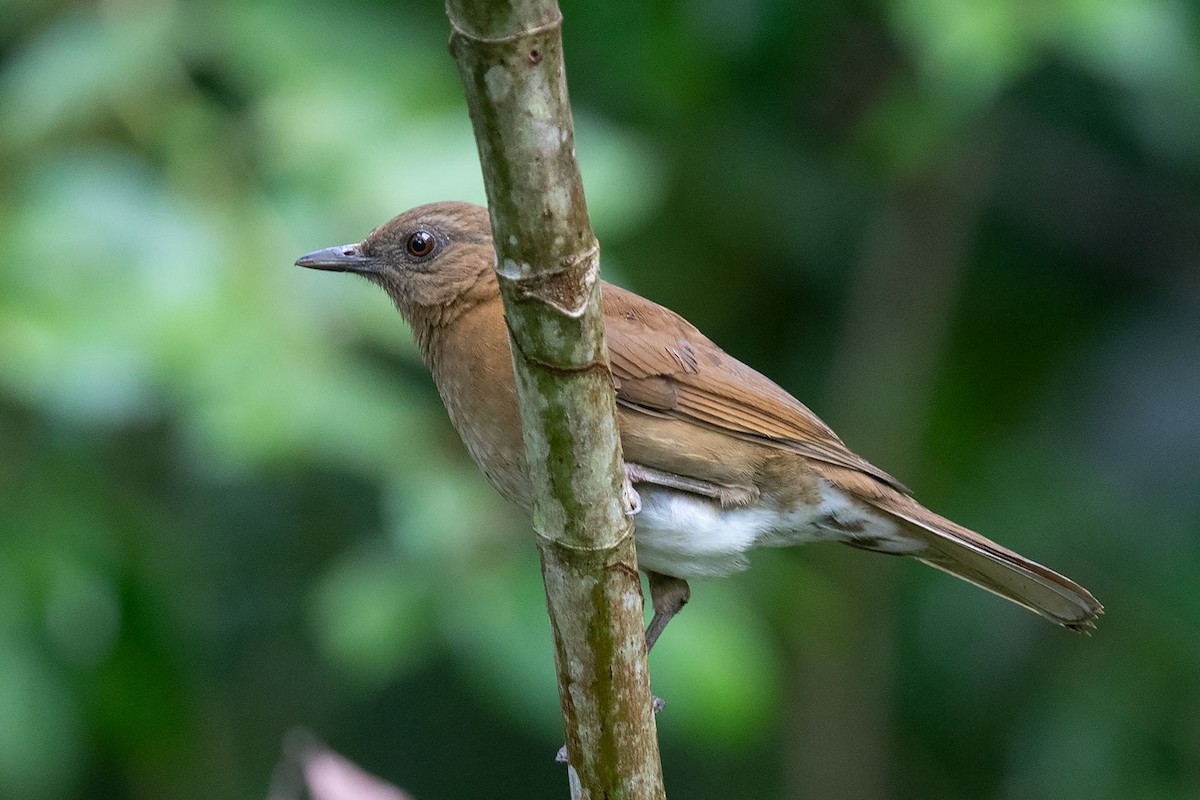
x=343 y=258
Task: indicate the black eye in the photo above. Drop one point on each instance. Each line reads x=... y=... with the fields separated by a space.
x=420 y=244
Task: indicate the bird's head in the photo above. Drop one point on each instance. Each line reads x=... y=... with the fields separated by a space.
x=426 y=258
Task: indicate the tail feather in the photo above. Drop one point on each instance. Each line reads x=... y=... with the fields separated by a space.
x=974 y=558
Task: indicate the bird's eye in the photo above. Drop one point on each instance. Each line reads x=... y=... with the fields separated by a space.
x=420 y=244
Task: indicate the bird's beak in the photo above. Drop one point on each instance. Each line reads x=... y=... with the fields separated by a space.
x=343 y=258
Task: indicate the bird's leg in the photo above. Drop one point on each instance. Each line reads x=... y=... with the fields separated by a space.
x=668 y=595
x=726 y=495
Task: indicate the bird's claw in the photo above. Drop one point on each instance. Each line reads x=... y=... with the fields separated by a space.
x=629 y=495
x=631 y=499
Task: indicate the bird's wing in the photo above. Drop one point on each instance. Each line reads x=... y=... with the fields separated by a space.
x=663 y=365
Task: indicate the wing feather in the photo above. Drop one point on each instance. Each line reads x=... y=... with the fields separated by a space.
x=662 y=364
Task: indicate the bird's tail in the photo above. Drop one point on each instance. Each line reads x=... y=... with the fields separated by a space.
x=965 y=554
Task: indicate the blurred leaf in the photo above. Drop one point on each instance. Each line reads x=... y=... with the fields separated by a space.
x=85 y=62
x=373 y=618
x=969 y=51
x=39 y=725
x=1111 y=37
x=497 y=624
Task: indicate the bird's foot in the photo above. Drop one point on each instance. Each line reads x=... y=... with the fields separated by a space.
x=629 y=495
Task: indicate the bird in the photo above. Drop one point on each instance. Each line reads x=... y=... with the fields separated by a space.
x=719 y=459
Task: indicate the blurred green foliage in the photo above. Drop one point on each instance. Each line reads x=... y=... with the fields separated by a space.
x=965 y=232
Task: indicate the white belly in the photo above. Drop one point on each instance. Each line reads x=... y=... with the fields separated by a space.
x=689 y=536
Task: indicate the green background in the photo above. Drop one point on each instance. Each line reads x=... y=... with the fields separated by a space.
x=965 y=232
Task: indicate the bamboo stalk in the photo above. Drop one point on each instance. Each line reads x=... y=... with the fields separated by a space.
x=509 y=56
